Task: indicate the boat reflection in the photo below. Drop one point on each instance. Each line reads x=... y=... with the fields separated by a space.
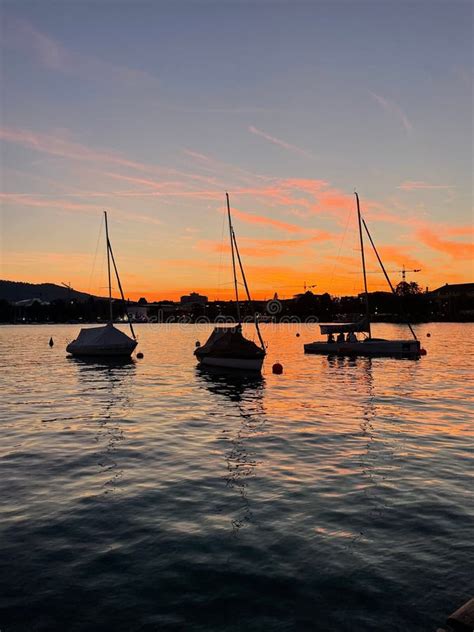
x=234 y=384
x=107 y=384
x=378 y=447
x=246 y=391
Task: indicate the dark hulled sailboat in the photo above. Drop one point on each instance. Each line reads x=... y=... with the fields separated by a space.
x=226 y=347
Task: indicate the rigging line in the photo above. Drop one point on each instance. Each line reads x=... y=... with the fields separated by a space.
x=340 y=245
x=232 y=238
x=388 y=279
x=120 y=288
x=110 y=255
x=111 y=318
x=95 y=257
x=248 y=293
x=221 y=251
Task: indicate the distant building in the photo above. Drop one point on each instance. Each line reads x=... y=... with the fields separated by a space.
x=193 y=299
x=454 y=301
x=453 y=290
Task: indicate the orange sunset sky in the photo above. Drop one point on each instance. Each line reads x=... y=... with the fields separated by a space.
x=282 y=105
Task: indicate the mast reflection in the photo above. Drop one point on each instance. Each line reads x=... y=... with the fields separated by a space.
x=108 y=385
x=376 y=457
x=246 y=391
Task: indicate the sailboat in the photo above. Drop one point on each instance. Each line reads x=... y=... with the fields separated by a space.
x=106 y=341
x=368 y=346
x=226 y=347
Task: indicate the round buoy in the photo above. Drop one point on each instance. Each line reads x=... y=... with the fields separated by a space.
x=297 y=335
x=51 y=342
x=139 y=355
x=428 y=335
x=197 y=344
x=277 y=368
x=422 y=351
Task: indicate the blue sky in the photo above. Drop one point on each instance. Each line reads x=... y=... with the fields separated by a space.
x=154 y=109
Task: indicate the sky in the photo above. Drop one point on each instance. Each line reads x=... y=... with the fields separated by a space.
x=153 y=110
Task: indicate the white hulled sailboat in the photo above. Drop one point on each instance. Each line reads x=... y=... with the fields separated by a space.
x=369 y=346
x=226 y=347
x=106 y=341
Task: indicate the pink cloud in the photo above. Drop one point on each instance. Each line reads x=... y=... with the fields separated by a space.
x=456 y=249
x=264 y=247
x=250 y=218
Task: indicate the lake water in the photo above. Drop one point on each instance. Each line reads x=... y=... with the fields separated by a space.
x=151 y=496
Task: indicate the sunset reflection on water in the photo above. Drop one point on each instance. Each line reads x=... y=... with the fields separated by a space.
x=162 y=492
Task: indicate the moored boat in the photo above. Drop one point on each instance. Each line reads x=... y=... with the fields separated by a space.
x=106 y=341
x=226 y=347
x=346 y=342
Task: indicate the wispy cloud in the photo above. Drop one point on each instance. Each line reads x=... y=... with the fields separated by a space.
x=262 y=220
x=22 y=200
x=279 y=142
x=61 y=145
x=415 y=185
x=456 y=249
x=393 y=108
x=399 y=255
x=19 y=34
x=264 y=247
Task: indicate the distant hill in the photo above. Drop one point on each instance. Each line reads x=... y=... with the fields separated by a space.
x=13 y=291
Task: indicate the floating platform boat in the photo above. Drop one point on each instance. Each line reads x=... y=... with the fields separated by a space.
x=366 y=347
x=346 y=342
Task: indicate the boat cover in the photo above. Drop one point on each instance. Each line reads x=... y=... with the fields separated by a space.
x=101 y=337
x=229 y=342
x=337 y=328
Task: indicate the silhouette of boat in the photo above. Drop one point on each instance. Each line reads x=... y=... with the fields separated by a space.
x=106 y=341
x=226 y=347
x=368 y=346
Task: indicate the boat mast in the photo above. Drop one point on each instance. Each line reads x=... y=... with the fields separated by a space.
x=110 y=253
x=108 y=267
x=231 y=234
x=366 y=294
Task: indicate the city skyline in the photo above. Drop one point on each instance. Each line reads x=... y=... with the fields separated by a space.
x=272 y=102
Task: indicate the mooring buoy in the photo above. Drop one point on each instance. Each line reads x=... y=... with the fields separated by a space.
x=139 y=355
x=277 y=368
x=51 y=342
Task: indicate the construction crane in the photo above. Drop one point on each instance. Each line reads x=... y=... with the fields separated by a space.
x=305 y=286
x=403 y=272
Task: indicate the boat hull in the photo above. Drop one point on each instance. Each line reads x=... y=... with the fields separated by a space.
x=124 y=351
x=370 y=347
x=241 y=364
